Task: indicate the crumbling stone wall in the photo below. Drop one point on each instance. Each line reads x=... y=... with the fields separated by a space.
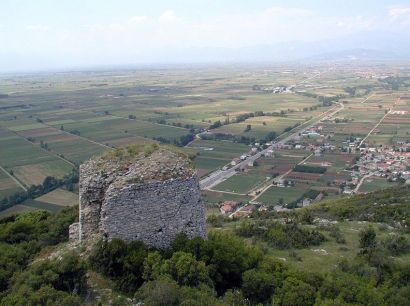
x=150 y=197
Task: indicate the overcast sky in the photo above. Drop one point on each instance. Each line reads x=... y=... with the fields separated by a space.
x=64 y=33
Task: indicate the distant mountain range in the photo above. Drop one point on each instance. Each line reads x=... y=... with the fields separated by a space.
x=363 y=46
x=358 y=55
x=372 y=45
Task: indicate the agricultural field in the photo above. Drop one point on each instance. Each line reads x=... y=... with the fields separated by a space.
x=375 y=183
x=260 y=126
x=242 y=183
x=16 y=209
x=8 y=186
x=219 y=197
x=283 y=195
x=60 y=197
x=51 y=123
x=212 y=155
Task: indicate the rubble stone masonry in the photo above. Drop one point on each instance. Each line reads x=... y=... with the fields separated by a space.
x=149 y=194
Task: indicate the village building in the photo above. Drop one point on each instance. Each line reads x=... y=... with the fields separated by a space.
x=228 y=207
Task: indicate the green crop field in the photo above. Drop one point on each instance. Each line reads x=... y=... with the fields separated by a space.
x=219 y=197
x=242 y=183
x=213 y=155
x=273 y=194
x=374 y=183
x=260 y=126
x=51 y=123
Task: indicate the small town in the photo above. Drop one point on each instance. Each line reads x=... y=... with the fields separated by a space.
x=387 y=163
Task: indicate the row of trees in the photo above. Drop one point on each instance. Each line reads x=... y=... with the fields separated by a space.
x=180 y=142
x=239 y=138
x=309 y=169
x=50 y=183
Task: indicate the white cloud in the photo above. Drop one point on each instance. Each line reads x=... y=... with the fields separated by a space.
x=356 y=23
x=138 y=19
x=400 y=15
x=396 y=12
x=287 y=11
x=168 y=16
x=37 y=28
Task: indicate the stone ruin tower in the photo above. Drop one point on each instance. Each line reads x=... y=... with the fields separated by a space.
x=145 y=193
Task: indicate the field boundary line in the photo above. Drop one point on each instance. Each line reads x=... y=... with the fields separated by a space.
x=49 y=152
x=227 y=192
x=155 y=123
x=269 y=183
x=14 y=179
x=367 y=98
x=79 y=136
x=125 y=118
x=381 y=120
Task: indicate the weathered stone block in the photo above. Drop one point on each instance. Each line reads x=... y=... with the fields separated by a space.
x=139 y=196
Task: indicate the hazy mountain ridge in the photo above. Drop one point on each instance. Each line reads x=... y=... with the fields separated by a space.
x=372 y=45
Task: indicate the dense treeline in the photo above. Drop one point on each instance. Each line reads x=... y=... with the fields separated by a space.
x=239 y=139
x=226 y=271
x=22 y=237
x=50 y=183
x=230 y=137
x=180 y=142
x=50 y=282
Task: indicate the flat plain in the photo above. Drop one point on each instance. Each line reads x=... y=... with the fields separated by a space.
x=52 y=122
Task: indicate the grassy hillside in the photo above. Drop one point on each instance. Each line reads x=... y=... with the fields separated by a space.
x=389 y=205
x=309 y=257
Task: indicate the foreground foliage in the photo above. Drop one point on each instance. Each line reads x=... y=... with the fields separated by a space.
x=224 y=270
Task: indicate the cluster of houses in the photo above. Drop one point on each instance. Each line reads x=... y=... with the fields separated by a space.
x=233 y=209
x=391 y=163
x=275 y=90
x=299 y=144
x=303 y=141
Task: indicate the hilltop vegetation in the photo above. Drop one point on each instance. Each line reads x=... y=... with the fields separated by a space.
x=390 y=206
x=22 y=238
x=224 y=270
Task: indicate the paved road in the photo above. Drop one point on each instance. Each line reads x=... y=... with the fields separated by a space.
x=219 y=176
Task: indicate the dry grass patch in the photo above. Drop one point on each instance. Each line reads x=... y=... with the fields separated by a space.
x=60 y=197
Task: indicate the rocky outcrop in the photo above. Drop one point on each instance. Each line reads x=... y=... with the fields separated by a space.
x=145 y=193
